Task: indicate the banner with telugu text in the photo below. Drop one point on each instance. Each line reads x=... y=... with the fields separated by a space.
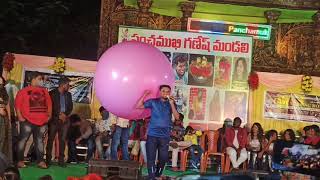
x=211 y=71
x=290 y=106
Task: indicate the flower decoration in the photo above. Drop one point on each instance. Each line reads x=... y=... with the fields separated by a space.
x=8 y=61
x=253 y=81
x=59 y=65
x=306 y=84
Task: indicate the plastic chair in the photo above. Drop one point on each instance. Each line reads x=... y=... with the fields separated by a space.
x=210 y=147
x=185 y=154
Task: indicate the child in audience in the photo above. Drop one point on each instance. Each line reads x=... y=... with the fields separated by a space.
x=312 y=137
x=192 y=136
x=256 y=143
x=267 y=152
x=134 y=137
x=143 y=138
x=304 y=133
x=177 y=143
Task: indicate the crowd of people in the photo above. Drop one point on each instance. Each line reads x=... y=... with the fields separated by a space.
x=47 y=114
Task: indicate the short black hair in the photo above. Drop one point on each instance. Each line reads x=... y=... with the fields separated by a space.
x=164 y=86
x=101 y=109
x=237 y=119
x=63 y=81
x=270 y=133
x=182 y=58
x=34 y=75
x=181 y=116
x=315 y=128
x=188 y=129
x=74 y=118
x=306 y=128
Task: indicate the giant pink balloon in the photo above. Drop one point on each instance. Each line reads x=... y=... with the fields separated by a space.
x=125 y=71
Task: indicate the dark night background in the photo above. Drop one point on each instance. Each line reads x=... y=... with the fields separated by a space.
x=68 y=28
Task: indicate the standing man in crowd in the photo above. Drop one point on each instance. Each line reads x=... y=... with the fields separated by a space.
x=34 y=109
x=121 y=133
x=159 y=129
x=61 y=108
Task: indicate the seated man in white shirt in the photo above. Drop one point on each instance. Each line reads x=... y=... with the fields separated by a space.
x=102 y=133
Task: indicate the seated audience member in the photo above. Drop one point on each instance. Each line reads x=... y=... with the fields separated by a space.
x=267 y=152
x=222 y=131
x=80 y=132
x=236 y=141
x=134 y=137
x=287 y=141
x=312 y=137
x=102 y=133
x=177 y=141
x=192 y=137
x=304 y=133
x=256 y=143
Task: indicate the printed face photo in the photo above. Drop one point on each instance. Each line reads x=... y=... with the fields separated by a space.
x=180 y=67
x=181 y=98
x=235 y=105
x=197 y=103
x=240 y=73
x=222 y=72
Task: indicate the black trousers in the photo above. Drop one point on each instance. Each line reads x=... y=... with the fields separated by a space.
x=54 y=127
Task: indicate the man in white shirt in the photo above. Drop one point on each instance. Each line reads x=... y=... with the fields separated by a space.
x=121 y=132
x=103 y=133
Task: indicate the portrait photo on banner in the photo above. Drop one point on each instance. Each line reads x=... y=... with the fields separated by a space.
x=240 y=73
x=197 y=103
x=216 y=106
x=201 y=70
x=222 y=76
x=81 y=86
x=180 y=67
x=180 y=95
x=236 y=105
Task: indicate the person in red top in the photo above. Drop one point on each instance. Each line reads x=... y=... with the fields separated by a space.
x=312 y=136
x=236 y=141
x=34 y=107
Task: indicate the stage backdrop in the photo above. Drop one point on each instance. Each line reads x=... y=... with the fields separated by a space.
x=80 y=72
x=211 y=72
x=279 y=103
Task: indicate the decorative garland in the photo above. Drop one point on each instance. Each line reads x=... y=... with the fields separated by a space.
x=253 y=80
x=59 y=65
x=8 y=61
x=306 y=84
